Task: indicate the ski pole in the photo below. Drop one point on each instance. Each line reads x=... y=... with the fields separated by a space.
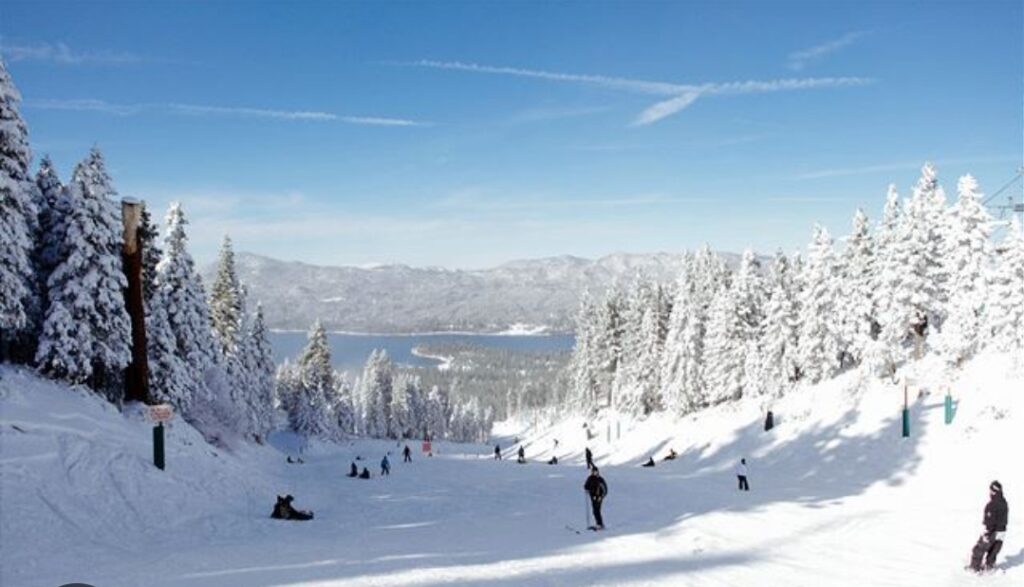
x=586 y=507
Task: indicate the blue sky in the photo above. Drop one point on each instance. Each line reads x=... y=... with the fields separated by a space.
x=468 y=134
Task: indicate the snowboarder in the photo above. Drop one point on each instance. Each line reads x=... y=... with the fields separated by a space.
x=497 y=452
x=741 y=475
x=522 y=456
x=385 y=466
x=649 y=463
x=283 y=510
x=353 y=471
x=769 y=421
x=596 y=488
x=672 y=454
x=590 y=458
x=365 y=474
x=553 y=461
x=991 y=540
x=407 y=454
x=556 y=443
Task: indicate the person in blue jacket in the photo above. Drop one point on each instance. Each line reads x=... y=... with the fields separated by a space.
x=385 y=466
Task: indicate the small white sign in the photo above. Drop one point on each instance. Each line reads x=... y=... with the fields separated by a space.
x=161 y=412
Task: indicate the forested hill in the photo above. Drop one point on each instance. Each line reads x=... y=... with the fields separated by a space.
x=400 y=299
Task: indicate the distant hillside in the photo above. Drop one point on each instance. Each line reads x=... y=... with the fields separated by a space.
x=401 y=299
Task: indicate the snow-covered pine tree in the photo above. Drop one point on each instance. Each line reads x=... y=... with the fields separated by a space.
x=86 y=334
x=226 y=303
x=818 y=347
x=18 y=286
x=180 y=293
x=437 y=409
x=149 y=238
x=583 y=365
x=751 y=294
x=725 y=349
x=374 y=391
x=343 y=408
x=261 y=381
x=781 y=330
x=856 y=312
x=169 y=379
x=885 y=350
x=1004 y=316
x=52 y=208
x=312 y=415
x=967 y=267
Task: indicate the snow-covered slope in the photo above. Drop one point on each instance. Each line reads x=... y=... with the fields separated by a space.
x=838 y=498
x=398 y=298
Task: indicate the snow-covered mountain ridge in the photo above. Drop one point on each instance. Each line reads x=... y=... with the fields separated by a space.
x=402 y=299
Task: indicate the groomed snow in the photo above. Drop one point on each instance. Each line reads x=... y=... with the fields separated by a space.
x=837 y=498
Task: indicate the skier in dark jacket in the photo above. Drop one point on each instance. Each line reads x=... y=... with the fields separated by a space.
x=497 y=452
x=353 y=471
x=590 y=458
x=407 y=454
x=597 y=489
x=522 y=456
x=283 y=510
x=385 y=466
x=994 y=520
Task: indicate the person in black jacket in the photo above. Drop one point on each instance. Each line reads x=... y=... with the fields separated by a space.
x=597 y=489
x=522 y=456
x=407 y=454
x=283 y=510
x=590 y=458
x=353 y=471
x=991 y=540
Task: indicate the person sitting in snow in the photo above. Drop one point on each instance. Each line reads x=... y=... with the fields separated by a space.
x=671 y=456
x=994 y=520
x=365 y=474
x=385 y=466
x=553 y=461
x=283 y=510
x=522 y=456
x=649 y=463
x=741 y=475
x=353 y=471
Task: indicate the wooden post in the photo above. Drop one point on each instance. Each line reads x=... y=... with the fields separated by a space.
x=136 y=375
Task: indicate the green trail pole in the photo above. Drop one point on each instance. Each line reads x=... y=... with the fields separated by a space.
x=158 y=445
x=906 y=413
x=949 y=408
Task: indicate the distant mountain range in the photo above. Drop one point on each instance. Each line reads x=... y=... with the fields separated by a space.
x=515 y=297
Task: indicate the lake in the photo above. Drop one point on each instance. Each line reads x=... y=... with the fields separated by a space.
x=350 y=351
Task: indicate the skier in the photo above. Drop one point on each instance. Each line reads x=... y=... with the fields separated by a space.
x=769 y=421
x=590 y=458
x=994 y=520
x=497 y=452
x=353 y=471
x=365 y=474
x=522 y=456
x=741 y=474
x=597 y=489
x=283 y=510
x=407 y=454
x=649 y=463
x=385 y=466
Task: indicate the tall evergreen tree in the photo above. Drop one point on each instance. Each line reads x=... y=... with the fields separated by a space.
x=86 y=334
x=856 y=314
x=261 y=392
x=1004 y=315
x=180 y=293
x=149 y=238
x=312 y=415
x=819 y=340
x=781 y=332
x=18 y=291
x=226 y=303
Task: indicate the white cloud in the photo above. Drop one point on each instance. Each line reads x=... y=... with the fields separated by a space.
x=91 y=105
x=680 y=95
x=798 y=60
x=62 y=54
